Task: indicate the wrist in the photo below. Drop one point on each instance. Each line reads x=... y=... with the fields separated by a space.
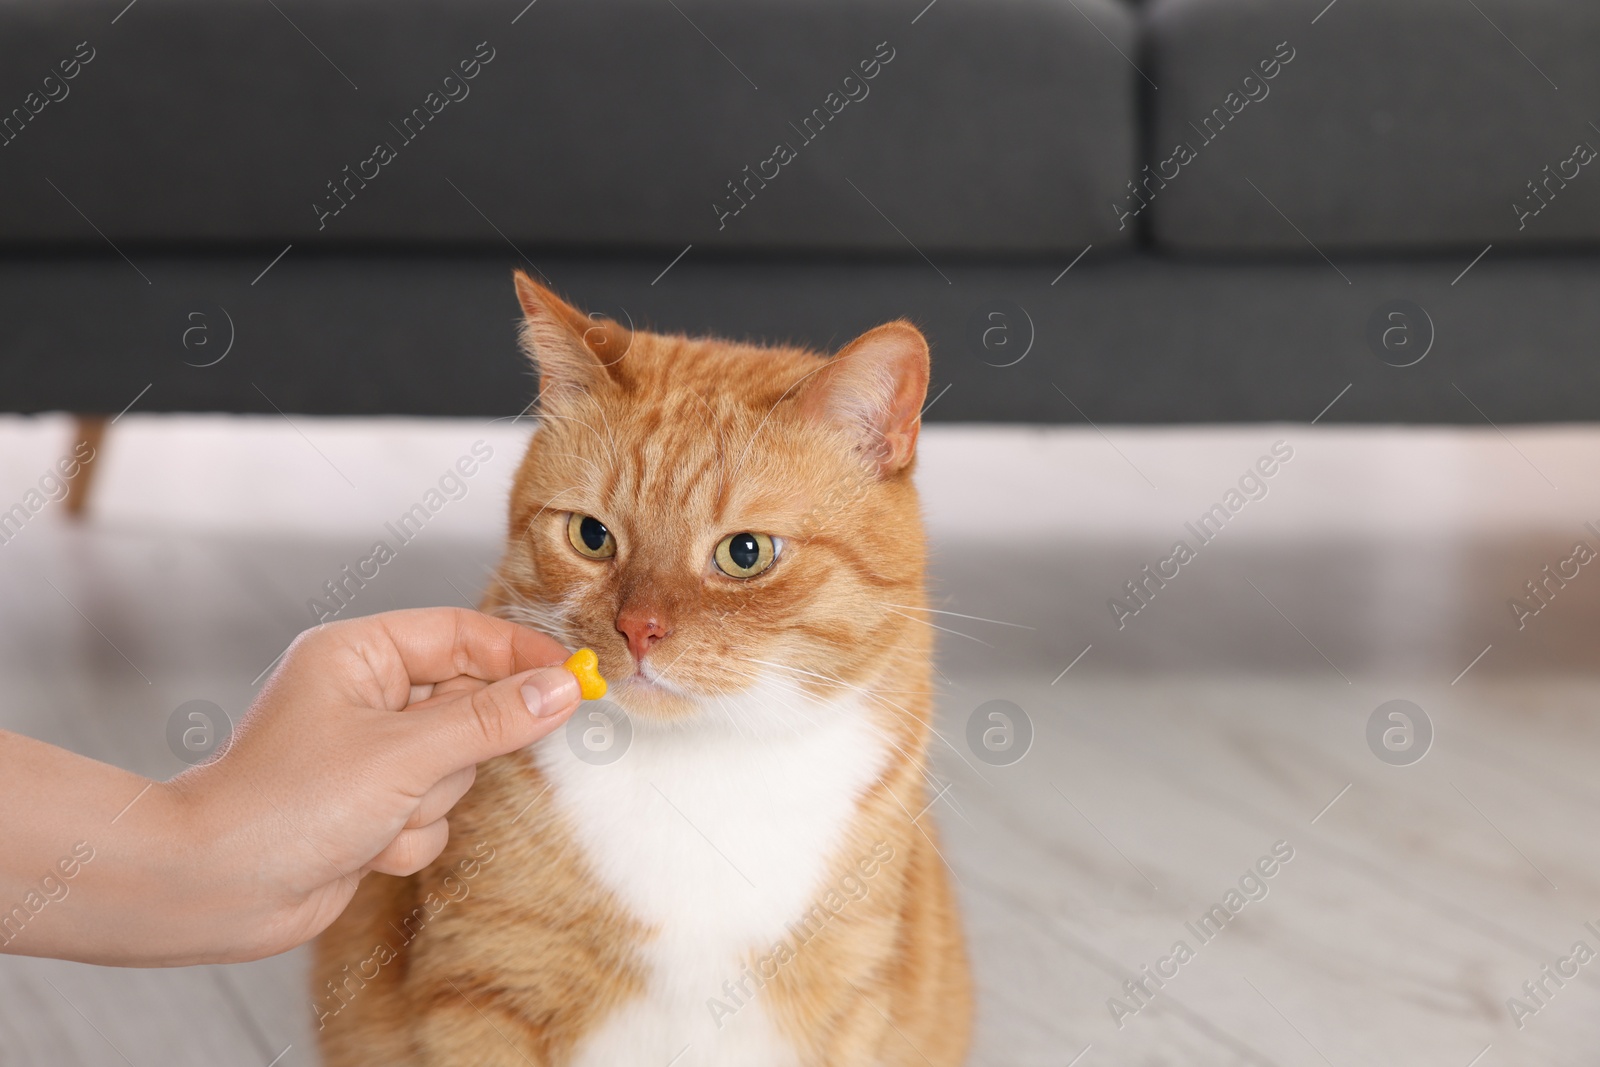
x=205 y=869
x=153 y=885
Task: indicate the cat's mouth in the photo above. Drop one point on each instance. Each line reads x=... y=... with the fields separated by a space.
x=651 y=692
x=647 y=676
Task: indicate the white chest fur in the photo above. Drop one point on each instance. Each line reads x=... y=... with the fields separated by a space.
x=716 y=836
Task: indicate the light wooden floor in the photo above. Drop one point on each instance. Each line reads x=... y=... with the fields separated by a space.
x=1172 y=756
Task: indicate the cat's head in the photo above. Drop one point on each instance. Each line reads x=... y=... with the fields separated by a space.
x=708 y=515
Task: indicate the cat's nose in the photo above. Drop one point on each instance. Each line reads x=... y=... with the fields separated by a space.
x=643 y=626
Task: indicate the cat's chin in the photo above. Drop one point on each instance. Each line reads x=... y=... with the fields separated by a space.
x=651 y=698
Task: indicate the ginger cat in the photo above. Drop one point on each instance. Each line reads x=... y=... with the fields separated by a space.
x=752 y=882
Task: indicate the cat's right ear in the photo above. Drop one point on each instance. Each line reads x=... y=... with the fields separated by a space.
x=571 y=350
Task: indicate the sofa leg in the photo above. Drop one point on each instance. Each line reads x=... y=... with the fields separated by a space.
x=90 y=430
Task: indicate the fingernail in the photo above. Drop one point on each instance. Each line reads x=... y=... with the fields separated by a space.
x=549 y=690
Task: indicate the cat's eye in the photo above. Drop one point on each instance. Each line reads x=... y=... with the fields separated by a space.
x=590 y=536
x=745 y=555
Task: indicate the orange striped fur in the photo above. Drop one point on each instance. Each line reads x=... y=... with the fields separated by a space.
x=777 y=775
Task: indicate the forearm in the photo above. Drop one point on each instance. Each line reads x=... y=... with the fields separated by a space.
x=95 y=862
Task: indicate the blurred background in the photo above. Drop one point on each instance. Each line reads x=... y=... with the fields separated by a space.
x=1308 y=287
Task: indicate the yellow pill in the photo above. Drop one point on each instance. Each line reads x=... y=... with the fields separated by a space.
x=586 y=665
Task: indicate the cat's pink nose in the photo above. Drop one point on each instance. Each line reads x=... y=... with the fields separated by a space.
x=643 y=627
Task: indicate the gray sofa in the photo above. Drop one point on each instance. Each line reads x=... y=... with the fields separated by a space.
x=1174 y=211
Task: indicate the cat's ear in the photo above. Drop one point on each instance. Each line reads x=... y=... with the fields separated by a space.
x=874 y=389
x=571 y=349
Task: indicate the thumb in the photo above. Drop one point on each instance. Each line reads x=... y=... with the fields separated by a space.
x=494 y=719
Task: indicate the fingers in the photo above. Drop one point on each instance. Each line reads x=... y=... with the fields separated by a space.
x=412 y=849
x=457 y=685
x=439 y=643
x=437 y=802
x=489 y=721
x=447 y=692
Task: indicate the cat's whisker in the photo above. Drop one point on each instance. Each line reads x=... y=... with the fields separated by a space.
x=549 y=618
x=911 y=757
x=727 y=713
x=782 y=683
x=516 y=597
x=791 y=686
x=796 y=670
x=593 y=466
x=543 y=621
x=686 y=649
x=874 y=694
x=795 y=706
x=585 y=425
x=527 y=409
x=760 y=734
x=914 y=822
x=927 y=723
x=664 y=674
x=959 y=615
x=893 y=742
x=709 y=415
x=832 y=679
x=955 y=806
x=936 y=626
x=827 y=680
x=935 y=668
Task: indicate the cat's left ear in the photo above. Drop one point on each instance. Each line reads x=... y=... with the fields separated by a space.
x=874 y=388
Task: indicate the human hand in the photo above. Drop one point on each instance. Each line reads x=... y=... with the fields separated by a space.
x=367 y=734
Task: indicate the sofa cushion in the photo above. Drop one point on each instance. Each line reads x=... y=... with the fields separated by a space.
x=1000 y=126
x=1385 y=124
